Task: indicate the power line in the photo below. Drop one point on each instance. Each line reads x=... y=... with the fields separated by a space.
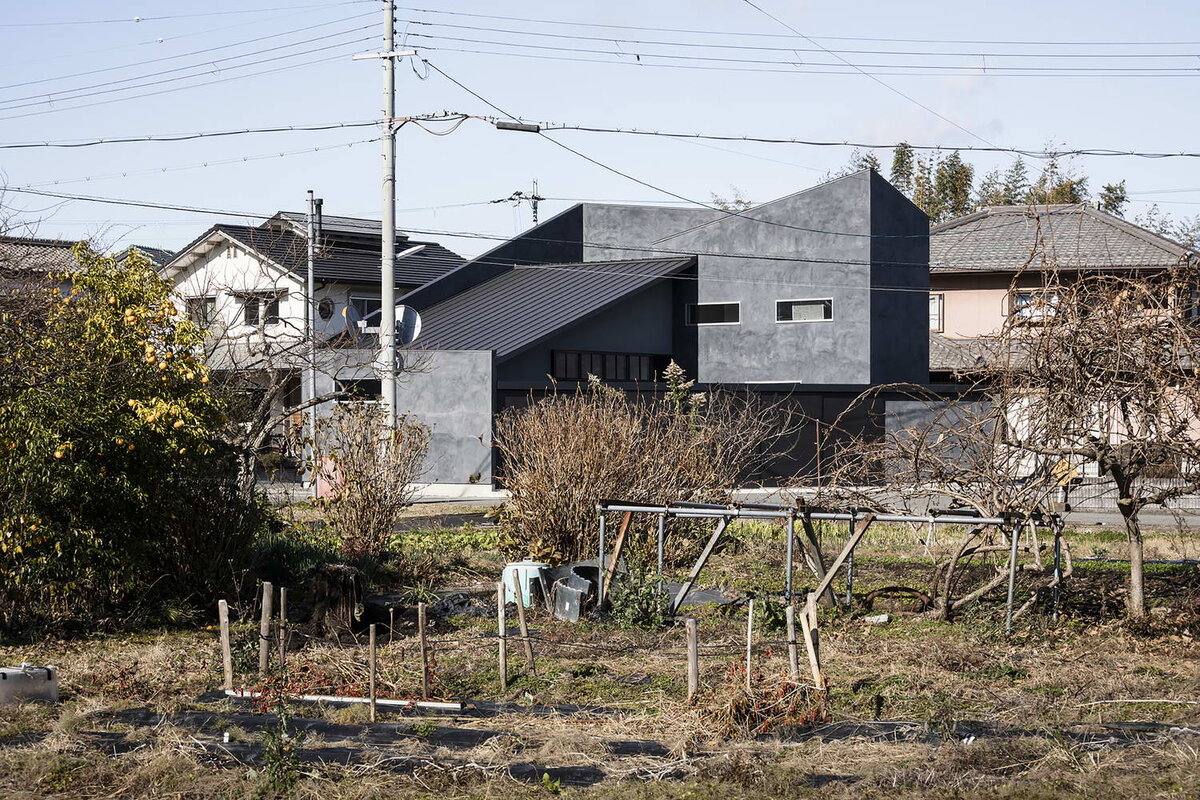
x=800 y=69
x=208 y=66
x=175 y=16
x=1028 y=42
x=185 y=137
x=776 y=49
x=183 y=55
x=805 y=66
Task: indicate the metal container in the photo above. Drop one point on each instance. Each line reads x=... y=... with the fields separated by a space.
x=27 y=682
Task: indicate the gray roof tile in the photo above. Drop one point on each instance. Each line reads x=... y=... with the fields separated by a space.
x=1005 y=239
x=20 y=254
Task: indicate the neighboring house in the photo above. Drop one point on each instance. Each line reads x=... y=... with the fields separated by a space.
x=26 y=260
x=993 y=264
x=247 y=286
x=157 y=257
x=807 y=299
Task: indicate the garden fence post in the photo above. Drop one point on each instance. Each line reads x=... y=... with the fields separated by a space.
x=424 y=651
x=226 y=653
x=264 y=628
x=1014 y=532
x=693 y=658
x=502 y=634
x=372 y=666
x=283 y=628
x=789 y=612
x=516 y=581
x=749 y=643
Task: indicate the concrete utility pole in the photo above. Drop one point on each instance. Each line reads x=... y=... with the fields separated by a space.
x=387 y=277
x=310 y=335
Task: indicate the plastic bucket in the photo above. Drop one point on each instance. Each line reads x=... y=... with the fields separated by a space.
x=528 y=573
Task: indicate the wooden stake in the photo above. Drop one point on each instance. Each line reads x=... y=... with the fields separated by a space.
x=524 y=627
x=503 y=637
x=226 y=652
x=264 y=628
x=371 y=660
x=610 y=571
x=812 y=653
x=693 y=658
x=750 y=645
x=424 y=651
x=789 y=612
x=814 y=633
x=391 y=622
x=283 y=636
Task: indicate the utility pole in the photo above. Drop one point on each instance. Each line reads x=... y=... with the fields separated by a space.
x=519 y=197
x=310 y=336
x=387 y=272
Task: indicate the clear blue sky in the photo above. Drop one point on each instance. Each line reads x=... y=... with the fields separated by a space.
x=477 y=163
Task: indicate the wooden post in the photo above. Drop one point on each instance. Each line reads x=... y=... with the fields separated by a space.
x=283 y=636
x=372 y=662
x=813 y=633
x=699 y=565
x=693 y=658
x=424 y=651
x=391 y=622
x=226 y=652
x=503 y=637
x=609 y=572
x=789 y=612
x=812 y=653
x=264 y=628
x=516 y=581
x=749 y=644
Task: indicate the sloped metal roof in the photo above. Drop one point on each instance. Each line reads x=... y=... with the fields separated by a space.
x=1006 y=238
x=527 y=304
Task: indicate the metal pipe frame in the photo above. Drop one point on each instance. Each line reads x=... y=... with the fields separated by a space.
x=784 y=512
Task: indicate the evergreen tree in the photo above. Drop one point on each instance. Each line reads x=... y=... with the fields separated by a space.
x=992 y=190
x=902 y=168
x=1113 y=198
x=1016 y=183
x=923 y=195
x=1057 y=184
x=953 y=179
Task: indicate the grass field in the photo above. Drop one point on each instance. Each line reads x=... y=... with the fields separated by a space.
x=1090 y=707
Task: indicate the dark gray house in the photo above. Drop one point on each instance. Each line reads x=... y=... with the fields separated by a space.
x=811 y=297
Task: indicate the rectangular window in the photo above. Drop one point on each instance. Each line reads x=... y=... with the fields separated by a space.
x=364 y=390
x=202 y=311
x=937 y=303
x=571 y=365
x=714 y=314
x=803 y=310
x=252 y=311
x=1034 y=305
x=368 y=309
x=258 y=309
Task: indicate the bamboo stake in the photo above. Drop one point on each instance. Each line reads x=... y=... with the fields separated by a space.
x=226 y=652
x=789 y=612
x=283 y=628
x=693 y=658
x=371 y=660
x=391 y=622
x=264 y=628
x=749 y=644
x=424 y=651
x=503 y=637
x=524 y=627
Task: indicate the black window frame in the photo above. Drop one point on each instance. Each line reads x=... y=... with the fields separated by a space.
x=201 y=310
x=361 y=390
x=608 y=366
x=736 y=305
x=826 y=304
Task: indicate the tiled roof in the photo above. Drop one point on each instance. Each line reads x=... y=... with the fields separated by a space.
x=527 y=304
x=19 y=254
x=158 y=257
x=958 y=355
x=1007 y=238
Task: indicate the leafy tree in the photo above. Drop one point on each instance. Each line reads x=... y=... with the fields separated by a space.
x=924 y=194
x=114 y=483
x=1057 y=184
x=991 y=190
x=952 y=187
x=1113 y=198
x=1016 y=183
x=1185 y=231
x=902 y=168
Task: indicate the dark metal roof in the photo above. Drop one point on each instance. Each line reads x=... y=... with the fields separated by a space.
x=344 y=258
x=158 y=257
x=527 y=304
x=1006 y=239
x=333 y=224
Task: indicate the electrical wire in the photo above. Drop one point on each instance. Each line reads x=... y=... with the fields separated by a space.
x=184 y=55
x=187 y=137
x=207 y=67
x=177 y=16
x=1057 y=43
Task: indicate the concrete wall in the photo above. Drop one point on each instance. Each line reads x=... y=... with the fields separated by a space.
x=899 y=287
x=627 y=227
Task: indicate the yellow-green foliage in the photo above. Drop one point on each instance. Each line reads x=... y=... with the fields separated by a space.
x=108 y=438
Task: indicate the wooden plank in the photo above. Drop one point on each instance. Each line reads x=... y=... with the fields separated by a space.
x=693 y=658
x=226 y=651
x=264 y=628
x=816 y=560
x=859 y=530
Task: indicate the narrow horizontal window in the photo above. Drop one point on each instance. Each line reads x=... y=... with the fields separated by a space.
x=362 y=390
x=803 y=310
x=714 y=314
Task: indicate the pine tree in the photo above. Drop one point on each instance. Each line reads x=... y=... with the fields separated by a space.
x=992 y=191
x=902 y=168
x=1113 y=198
x=1016 y=183
x=952 y=184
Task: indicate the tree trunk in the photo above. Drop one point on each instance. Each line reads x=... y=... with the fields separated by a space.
x=1137 y=577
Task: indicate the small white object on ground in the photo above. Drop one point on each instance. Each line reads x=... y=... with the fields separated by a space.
x=877 y=619
x=27 y=682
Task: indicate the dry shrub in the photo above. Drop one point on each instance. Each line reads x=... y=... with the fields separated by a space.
x=371 y=472
x=774 y=704
x=565 y=453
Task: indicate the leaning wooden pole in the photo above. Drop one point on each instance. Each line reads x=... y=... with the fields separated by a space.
x=516 y=581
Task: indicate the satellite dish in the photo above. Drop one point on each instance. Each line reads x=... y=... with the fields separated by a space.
x=408 y=325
